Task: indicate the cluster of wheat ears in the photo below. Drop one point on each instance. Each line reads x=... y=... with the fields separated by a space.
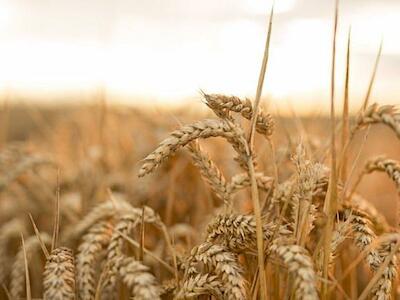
x=305 y=244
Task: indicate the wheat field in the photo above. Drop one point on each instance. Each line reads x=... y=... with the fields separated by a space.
x=85 y=214
x=103 y=201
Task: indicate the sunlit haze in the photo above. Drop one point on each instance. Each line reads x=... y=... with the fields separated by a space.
x=165 y=51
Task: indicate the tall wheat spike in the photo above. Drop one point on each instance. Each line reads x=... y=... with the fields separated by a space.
x=91 y=249
x=59 y=275
x=125 y=226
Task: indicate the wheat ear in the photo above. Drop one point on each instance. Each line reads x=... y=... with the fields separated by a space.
x=298 y=262
x=241 y=181
x=364 y=237
x=59 y=275
x=188 y=133
x=222 y=105
x=123 y=228
x=198 y=285
x=137 y=277
x=374 y=114
x=8 y=231
x=103 y=211
x=219 y=261
x=209 y=171
x=301 y=202
x=377 y=219
x=238 y=232
x=23 y=166
x=17 y=282
x=383 y=287
x=91 y=247
x=390 y=166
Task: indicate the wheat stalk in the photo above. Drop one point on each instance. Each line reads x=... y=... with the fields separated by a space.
x=59 y=275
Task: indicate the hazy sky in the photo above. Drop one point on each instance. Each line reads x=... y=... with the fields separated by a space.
x=169 y=49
